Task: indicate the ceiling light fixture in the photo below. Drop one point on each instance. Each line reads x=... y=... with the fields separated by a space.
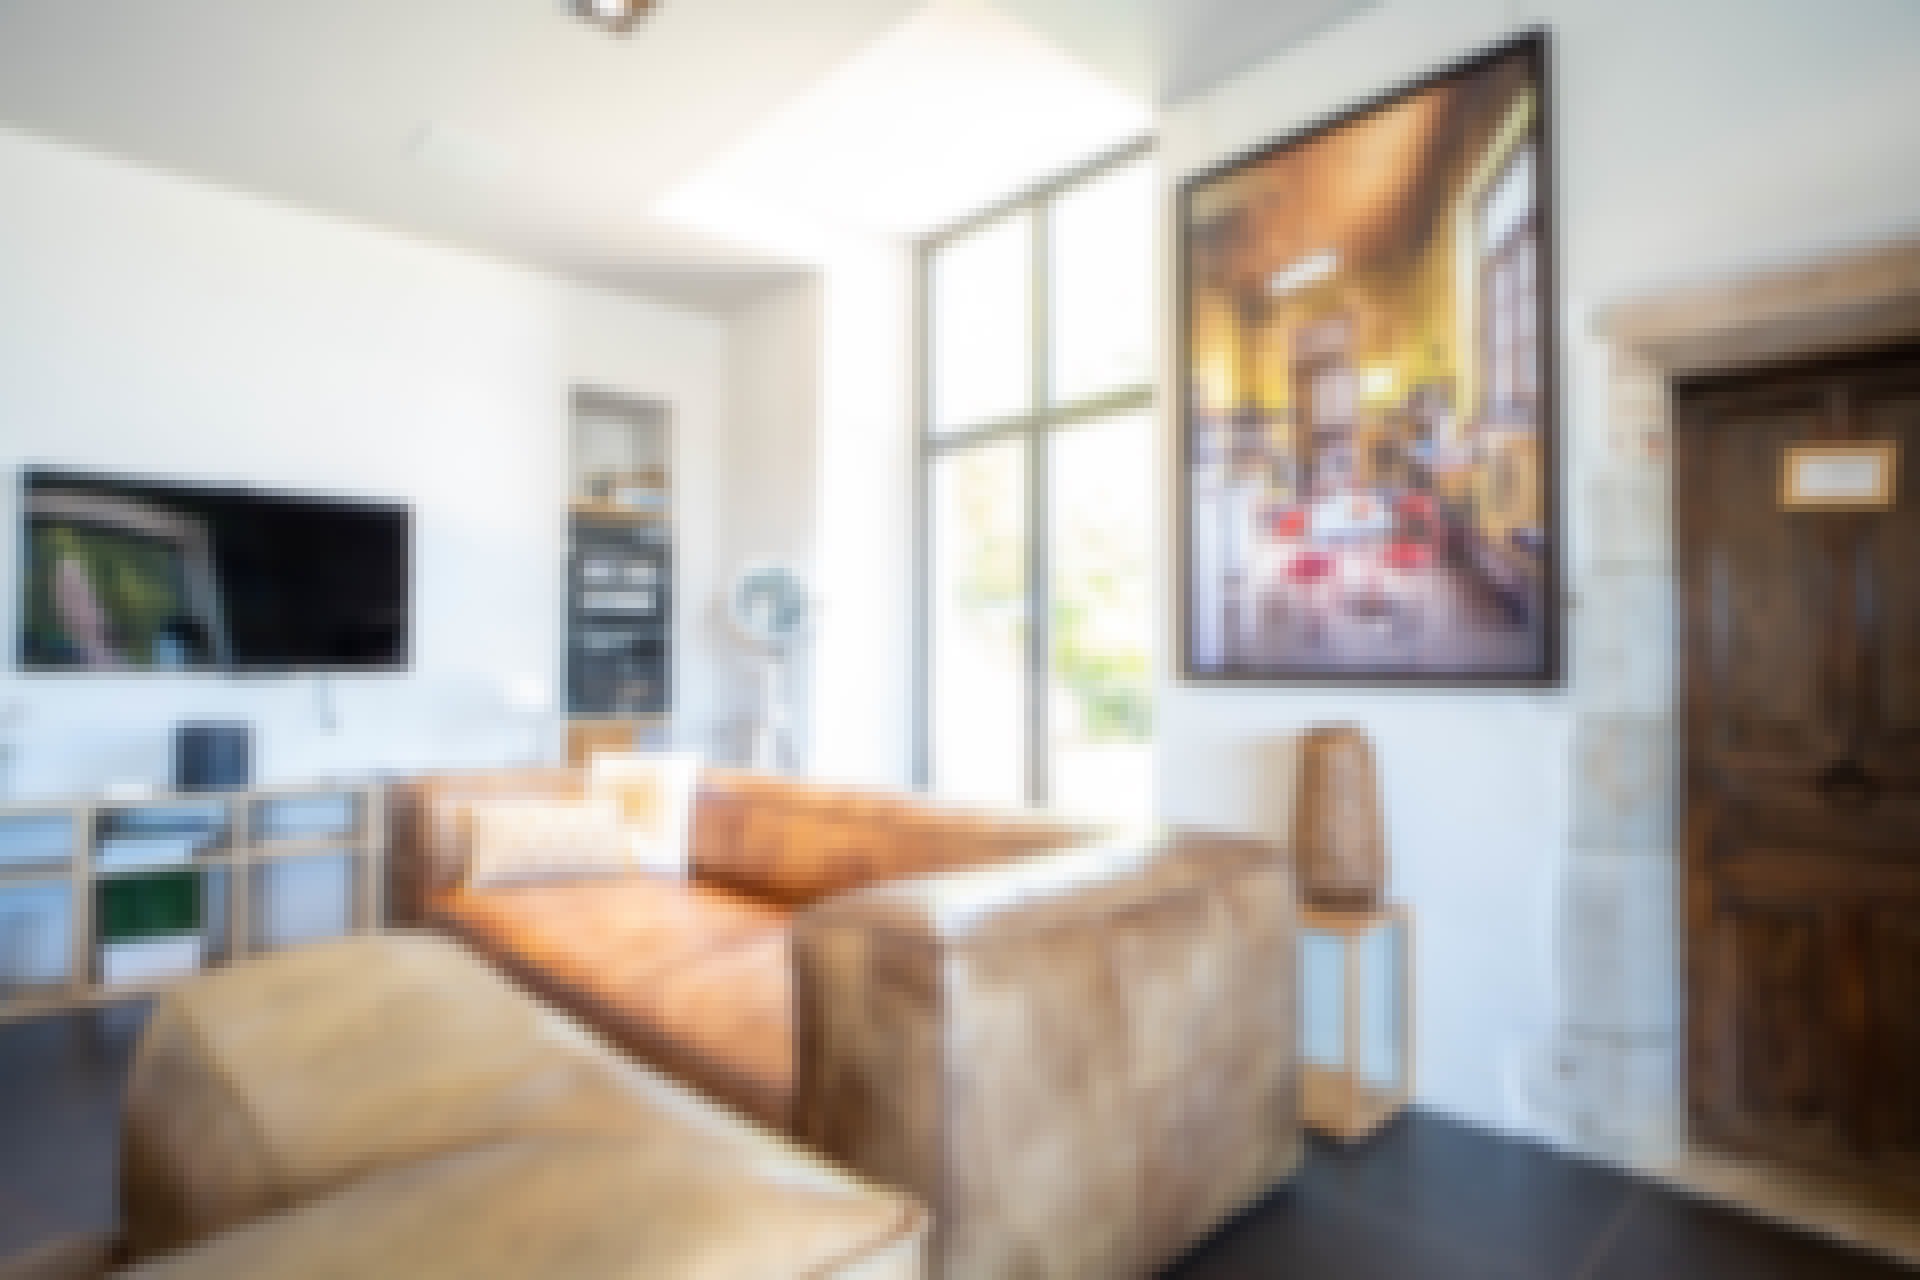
x=617 y=16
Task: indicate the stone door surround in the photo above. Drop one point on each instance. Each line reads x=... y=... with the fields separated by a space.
x=1617 y=1063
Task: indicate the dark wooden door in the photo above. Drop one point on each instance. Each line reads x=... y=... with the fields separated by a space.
x=1802 y=737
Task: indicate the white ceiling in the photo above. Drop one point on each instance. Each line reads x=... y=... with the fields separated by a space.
x=678 y=161
x=953 y=109
x=1167 y=51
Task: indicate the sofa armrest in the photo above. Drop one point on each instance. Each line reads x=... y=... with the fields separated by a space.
x=1082 y=1062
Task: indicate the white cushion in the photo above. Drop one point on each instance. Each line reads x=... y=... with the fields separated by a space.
x=652 y=798
x=525 y=840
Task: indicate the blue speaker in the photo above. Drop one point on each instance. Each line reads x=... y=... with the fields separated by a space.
x=212 y=756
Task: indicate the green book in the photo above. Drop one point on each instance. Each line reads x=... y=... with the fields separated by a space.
x=152 y=904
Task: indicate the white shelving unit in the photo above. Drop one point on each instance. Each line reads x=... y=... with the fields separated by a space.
x=272 y=875
x=621 y=508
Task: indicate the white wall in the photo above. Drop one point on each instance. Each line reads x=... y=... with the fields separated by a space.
x=820 y=471
x=863 y=645
x=772 y=465
x=155 y=326
x=1696 y=140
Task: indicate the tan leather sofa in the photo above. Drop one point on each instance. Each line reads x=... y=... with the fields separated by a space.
x=390 y=1107
x=1078 y=1050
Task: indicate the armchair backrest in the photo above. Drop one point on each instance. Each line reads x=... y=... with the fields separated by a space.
x=796 y=843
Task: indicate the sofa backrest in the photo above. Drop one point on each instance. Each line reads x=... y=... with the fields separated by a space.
x=427 y=827
x=777 y=839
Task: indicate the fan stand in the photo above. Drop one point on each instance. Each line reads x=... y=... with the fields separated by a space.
x=770 y=724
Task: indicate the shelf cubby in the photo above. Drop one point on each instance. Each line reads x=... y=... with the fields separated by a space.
x=298 y=899
x=37 y=843
x=36 y=937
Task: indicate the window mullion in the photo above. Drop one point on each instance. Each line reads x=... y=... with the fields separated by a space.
x=921 y=764
x=1039 y=553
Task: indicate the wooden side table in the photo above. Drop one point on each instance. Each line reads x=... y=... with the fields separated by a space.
x=1356 y=1018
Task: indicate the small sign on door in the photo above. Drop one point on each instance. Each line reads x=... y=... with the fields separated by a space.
x=1839 y=477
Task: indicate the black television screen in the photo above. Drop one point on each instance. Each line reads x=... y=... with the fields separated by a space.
x=135 y=574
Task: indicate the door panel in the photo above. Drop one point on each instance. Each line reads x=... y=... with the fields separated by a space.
x=1766 y=603
x=1777 y=954
x=1802 y=656
x=1894 y=1121
x=1805 y=1040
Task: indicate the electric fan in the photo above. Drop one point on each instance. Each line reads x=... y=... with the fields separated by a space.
x=770 y=609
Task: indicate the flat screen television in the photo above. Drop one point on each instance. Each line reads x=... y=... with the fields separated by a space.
x=123 y=574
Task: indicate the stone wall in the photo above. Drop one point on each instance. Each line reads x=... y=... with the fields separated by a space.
x=1616 y=1073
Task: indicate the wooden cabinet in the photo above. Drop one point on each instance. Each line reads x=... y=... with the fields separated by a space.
x=588 y=738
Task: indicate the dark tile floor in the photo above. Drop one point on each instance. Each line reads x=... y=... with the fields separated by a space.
x=1429 y=1199
x=59 y=1114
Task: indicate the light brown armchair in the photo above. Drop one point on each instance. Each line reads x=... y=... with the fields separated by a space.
x=1084 y=1062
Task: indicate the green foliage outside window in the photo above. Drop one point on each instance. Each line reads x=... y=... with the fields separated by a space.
x=1108 y=680
x=1111 y=686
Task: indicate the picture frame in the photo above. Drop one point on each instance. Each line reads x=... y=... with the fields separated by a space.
x=1369 y=412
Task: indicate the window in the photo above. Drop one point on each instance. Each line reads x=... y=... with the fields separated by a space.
x=1509 y=254
x=981 y=288
x=1038 y=454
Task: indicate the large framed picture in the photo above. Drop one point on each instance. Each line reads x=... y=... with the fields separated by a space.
x=1369 y=407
